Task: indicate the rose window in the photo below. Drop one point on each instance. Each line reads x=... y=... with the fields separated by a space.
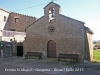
x=51 y=29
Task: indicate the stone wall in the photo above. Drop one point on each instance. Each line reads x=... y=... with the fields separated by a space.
x=89 y=46
x=68 y=35
x=22 y=22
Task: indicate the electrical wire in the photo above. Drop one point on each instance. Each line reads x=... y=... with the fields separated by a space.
x=33 y=6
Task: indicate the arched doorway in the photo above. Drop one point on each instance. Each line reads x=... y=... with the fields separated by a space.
x=51 y=49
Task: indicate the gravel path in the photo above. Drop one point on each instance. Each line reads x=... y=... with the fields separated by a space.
x=21 y=66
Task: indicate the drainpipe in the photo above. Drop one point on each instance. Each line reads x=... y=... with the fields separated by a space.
x=1 y=47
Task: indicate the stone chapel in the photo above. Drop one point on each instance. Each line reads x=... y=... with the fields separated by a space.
x=55 y=33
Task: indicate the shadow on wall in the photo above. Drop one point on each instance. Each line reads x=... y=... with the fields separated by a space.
x=87 y=51
x=7 y=24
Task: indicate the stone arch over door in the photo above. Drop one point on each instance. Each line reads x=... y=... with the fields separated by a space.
x=51 y=49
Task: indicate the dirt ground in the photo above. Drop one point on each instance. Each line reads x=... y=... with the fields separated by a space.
x=22 y=66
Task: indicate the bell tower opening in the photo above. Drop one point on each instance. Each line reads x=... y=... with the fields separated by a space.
x=51 y=13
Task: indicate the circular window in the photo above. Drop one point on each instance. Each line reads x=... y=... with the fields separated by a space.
x=51 y=29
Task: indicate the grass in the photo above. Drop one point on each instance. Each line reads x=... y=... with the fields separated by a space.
x=96 y=55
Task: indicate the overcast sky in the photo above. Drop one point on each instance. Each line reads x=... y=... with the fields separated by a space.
x=87 y=11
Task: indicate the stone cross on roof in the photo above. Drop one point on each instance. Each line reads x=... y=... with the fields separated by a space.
x=52 y=0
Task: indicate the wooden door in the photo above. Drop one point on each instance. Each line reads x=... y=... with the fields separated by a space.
x=51 y=49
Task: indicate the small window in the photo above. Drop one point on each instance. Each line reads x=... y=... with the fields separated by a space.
x=12 y=29
x=16 y=20
x=51 y=29
x=4 y=18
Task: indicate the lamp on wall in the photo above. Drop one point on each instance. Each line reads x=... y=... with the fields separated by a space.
x=14 y=38
x=11 y=40
x=1 y=33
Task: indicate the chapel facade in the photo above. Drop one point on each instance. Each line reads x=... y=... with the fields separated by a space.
x=55 y=33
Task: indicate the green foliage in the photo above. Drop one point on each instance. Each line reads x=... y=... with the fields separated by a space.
x=96 y=55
